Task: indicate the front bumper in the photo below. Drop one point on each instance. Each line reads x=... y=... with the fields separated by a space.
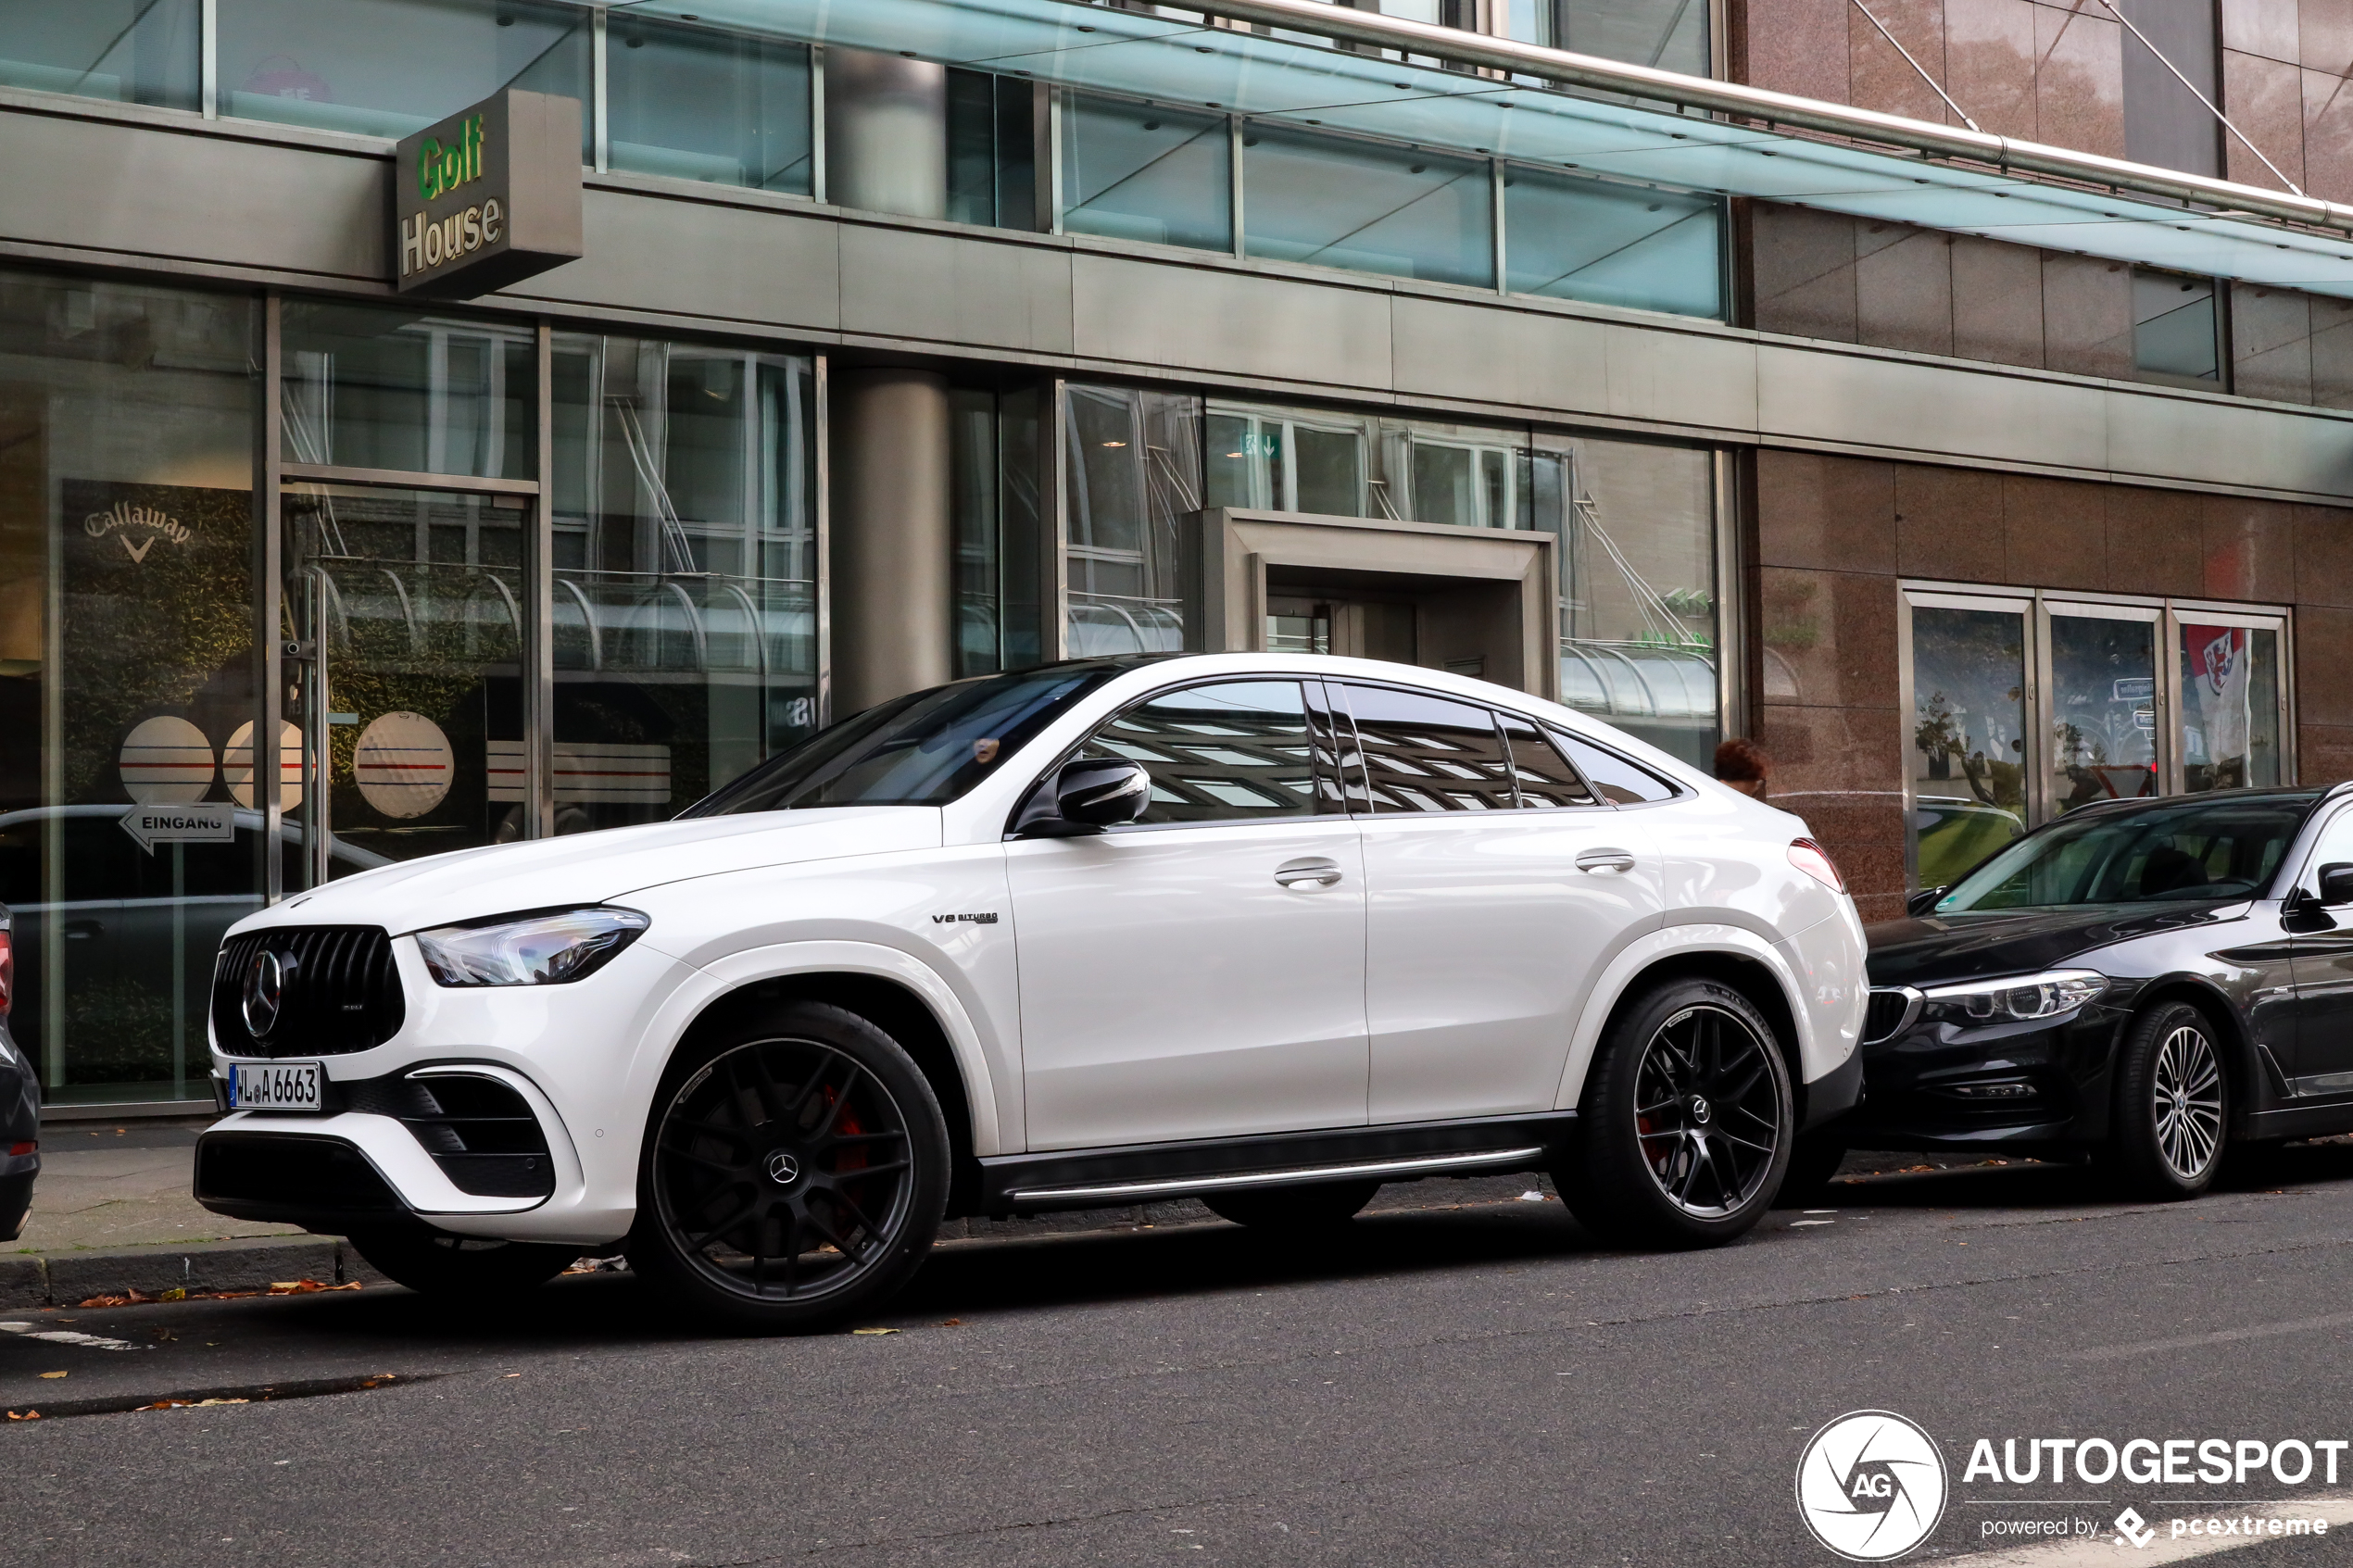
x=1934 y=1085
x=576 y=1066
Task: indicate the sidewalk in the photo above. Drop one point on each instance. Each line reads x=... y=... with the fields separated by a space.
x=113 y=1213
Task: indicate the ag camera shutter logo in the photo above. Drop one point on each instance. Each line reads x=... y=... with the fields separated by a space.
x=1871 y=1486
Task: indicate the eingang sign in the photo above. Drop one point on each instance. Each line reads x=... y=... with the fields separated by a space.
x=488 y=197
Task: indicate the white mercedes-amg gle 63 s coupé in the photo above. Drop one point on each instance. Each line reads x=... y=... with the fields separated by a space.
x=1259 y=930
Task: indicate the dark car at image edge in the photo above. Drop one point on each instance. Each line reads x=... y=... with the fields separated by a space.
x=2149 y=982
x=20 y=1103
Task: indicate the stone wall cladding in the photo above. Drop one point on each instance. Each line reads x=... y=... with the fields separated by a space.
x=1834 y=535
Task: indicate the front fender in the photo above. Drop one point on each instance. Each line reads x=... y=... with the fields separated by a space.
x=990 y=1086
x=1819 y=972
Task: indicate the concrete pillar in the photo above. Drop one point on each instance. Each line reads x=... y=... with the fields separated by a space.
x=893 y=536
x=886 y=133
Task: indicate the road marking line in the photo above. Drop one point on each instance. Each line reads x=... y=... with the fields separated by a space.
x=68 y=1337
x=2220 y=1337
x=2335 y=1507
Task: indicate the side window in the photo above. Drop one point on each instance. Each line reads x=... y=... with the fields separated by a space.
x=1545 y=777
x=1619 y=781
x=1236 y=751
x=1429 y=753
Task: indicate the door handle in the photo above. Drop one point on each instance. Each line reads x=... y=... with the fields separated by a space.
x=1605 y=860
x=1320 y=872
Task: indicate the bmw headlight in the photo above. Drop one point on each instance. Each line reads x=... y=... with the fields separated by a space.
x=546 y=948
x=2014 y=999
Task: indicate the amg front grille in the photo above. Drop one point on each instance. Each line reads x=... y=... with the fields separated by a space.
x=1892 y=1008
x=338 y=991
x=478 y=1130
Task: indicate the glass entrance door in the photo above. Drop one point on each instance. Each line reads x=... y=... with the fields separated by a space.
x=407 y=608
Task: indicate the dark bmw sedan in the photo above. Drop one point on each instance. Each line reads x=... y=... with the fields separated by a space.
x=2149 y=980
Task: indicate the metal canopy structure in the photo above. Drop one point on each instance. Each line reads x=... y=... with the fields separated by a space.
x=1361 y=72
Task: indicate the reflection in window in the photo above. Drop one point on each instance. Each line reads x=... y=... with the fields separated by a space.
x=1362 y=465
x=2176 y=334
x=367 y=386
x=1612 y=244
x=1134 y=472
x=1429 y=754
x=1368 y=207
x=1140 y=172
x=1669 y=34
x=2230 y=705
x=126 y=659
x=698 y=104
x=127 y=51
x=684 y=571
x=1236 y=751
x=387 y=67
x=2104 y=710
x=1968 y=735
x=1637 y=526
x=993 y=468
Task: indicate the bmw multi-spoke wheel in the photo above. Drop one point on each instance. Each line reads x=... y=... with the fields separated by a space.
x=2172 y=1104
x=794 y=1170
x=1686 y=1122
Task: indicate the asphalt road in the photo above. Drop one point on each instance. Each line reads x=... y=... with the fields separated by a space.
x=1443 y=1387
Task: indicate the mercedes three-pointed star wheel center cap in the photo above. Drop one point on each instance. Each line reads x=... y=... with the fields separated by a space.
x=783 y=1168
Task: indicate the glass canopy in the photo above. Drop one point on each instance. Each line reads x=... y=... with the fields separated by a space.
x=1180 y=60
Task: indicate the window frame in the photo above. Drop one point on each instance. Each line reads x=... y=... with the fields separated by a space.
x=1321 y=770
x=2036 y=606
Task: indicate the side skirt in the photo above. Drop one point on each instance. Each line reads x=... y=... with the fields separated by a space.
x=1097 y=1178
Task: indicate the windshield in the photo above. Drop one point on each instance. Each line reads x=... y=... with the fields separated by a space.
x=2214 y=848
x=922 y=750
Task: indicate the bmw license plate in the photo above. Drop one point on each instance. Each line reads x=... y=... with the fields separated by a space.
x=274 y=1085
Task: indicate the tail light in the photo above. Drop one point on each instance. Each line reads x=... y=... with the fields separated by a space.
x=7 y=971
x=1816 y=863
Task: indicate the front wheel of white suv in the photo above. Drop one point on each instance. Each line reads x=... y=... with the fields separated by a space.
x=794 y=1170
x=1686 y=1123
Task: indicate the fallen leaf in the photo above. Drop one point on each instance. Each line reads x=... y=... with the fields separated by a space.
x=176 y=1293
x=305 y=1286
x=167 y=1405
x=55 y=1374
x=29 y=1415
x=163 y=1333
x=952 y=1322
x=223 y=1401
x=511 y=1375
x=874 y=1331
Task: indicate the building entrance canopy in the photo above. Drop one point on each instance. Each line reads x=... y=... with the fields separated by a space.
x=1358 y=71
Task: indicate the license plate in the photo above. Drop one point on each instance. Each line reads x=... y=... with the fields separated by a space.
x=274 y=1085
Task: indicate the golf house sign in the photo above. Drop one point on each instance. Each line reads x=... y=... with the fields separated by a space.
x=488 y=197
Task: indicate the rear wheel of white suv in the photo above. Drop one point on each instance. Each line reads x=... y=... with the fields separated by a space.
x=1685 y=1127
x=795 y=1168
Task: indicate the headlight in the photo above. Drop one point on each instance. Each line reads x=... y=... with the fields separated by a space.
x=540 y=949
x=2013 y=999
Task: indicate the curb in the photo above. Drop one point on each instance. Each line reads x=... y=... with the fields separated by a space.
x=66 y=1279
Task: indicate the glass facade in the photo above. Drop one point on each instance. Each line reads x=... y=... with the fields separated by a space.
x=129 y=51
x=1647 y=248
x=126 y=661
x=1368 y=207
x=2024 y=706
x=1143 y=171
x=696 y=103
x=1134 y=471
x=385 y=67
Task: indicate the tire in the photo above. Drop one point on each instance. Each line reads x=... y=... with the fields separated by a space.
x=1686 y=1123
x=2172 y=1110
x=432 y=1264
x=1813 y=1161
x=1303 y=1208
x=794 y=1171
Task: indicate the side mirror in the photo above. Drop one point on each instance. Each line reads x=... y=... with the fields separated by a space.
x=1924 y=901
x=1086 y=797
x=2336 y=883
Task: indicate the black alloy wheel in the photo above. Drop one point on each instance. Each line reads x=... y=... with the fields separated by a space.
x=1686 y=1123
x=796 y=1170
x=434 y=1264
x=1323 y=1206
x=2172 y=1105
